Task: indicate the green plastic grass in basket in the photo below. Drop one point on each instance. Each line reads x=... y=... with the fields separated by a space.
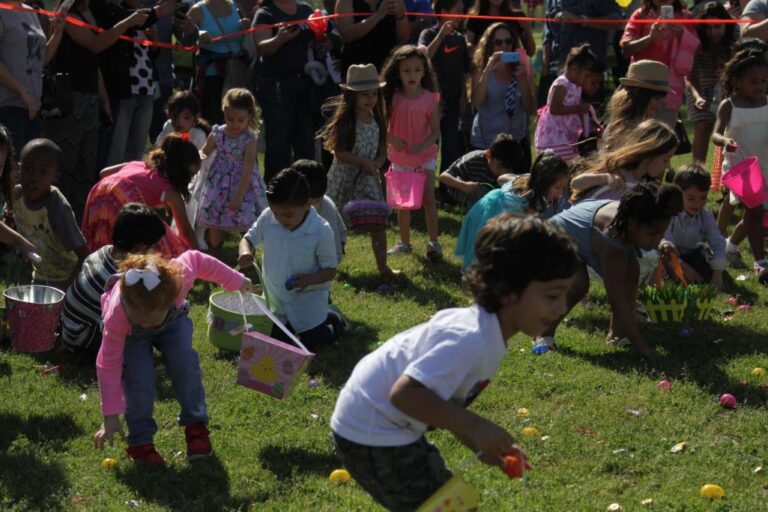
x=676 y=302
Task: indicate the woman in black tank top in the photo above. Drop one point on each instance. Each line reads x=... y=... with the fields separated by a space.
x=369 y=39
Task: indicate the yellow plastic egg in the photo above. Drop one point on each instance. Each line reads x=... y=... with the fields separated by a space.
x=759 y=372
x=108 y=463
x=530 y=431
x=522 y=411
x=712 y=491
x=340 y=476
x=624 y=3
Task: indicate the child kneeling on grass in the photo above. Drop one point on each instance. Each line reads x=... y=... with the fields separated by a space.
x=299 y=261
x=427 y=375
x=137 y=229
x=146 y=309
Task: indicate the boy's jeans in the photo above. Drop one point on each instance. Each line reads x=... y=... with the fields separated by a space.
x=173 y=338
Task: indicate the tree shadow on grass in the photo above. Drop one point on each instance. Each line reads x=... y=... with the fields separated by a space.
x=286 y=463
x=698 y=358
x=27 y=480
x=202 y=485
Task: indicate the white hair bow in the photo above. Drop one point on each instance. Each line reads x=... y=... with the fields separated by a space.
x=150 y=276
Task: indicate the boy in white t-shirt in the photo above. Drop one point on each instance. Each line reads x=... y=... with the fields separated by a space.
x=427 y=375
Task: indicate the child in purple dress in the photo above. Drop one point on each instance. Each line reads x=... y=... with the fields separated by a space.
x=234 y=195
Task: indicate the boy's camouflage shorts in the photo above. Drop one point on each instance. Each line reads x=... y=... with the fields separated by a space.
x=398 y=477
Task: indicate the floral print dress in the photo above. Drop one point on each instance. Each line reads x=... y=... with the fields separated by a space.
x=560 y=133
x=346 y=182
x=221 y=186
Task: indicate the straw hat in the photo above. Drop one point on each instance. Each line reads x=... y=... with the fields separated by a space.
x=647 y=74
x=362 y=77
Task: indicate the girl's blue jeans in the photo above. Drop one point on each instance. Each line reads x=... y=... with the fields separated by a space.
x=173 y=339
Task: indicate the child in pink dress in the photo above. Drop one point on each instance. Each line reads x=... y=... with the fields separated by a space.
x=413 y=107
x=147 y=309
x=566 y=116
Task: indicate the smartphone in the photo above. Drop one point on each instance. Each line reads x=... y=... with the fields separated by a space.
x=510 y=57
x=667 y=12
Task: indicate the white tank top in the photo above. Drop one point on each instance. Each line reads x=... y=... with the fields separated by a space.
x=749 y=128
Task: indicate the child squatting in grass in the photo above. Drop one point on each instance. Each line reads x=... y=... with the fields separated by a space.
x=427 y=375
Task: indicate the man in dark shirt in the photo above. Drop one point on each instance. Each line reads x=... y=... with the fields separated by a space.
x=450 y=57
x=283 y=88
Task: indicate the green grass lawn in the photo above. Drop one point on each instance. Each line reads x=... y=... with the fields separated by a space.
x=276 y=455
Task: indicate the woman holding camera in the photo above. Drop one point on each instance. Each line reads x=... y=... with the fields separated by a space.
x=502 y=91
x=672 y=44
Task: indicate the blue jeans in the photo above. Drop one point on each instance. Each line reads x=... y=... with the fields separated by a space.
x=22 y=129
x=174 y=341
x=287 y=115
x=130 y=129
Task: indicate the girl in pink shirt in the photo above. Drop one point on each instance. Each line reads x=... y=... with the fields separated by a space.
x=146 y=308
x=413 y=107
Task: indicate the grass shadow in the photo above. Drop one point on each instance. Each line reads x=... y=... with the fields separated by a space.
x=27 y=480
x=699 y=358
x=335 y=363
x=202 y=485
x=286 y=463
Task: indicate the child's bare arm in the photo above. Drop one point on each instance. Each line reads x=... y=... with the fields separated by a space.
x=556 y=107
x=721 y=124
x=424 y=405
x=586 y=181
x=434 y=132
x=179 y=210
x=11 y=237
x=245 y=253
x=109 y=171
x=210 y=145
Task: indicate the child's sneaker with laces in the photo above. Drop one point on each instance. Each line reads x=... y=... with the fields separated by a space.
x=761 y=265
x=146 y=454
x=434 y=251
x=401 y=248
x=198 y=444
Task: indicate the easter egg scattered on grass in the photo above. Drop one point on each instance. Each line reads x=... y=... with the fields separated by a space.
x=530 y=431
x=539 y=349
x=712 y=491
x=613 y=507
x=340 y=476
x=108 y=463
x=513 y=465
x=759 y=372
x=664 y=385
x=522 y=411
x=728 y=401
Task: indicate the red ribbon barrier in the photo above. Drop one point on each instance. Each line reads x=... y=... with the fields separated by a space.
x=193 y=48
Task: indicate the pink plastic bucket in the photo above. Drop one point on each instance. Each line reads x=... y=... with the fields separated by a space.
x=405 y=189
x=747 y=182
x=33 y=316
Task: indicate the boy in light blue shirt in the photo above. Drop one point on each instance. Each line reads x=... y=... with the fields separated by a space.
x=693 y=233
x=299 y=261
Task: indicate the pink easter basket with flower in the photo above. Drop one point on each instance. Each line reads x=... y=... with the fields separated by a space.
x=268 y=365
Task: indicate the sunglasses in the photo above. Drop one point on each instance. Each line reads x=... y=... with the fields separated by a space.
x=501 y=42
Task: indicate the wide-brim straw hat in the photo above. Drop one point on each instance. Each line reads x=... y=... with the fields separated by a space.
x=362 y=77
x=647 y=74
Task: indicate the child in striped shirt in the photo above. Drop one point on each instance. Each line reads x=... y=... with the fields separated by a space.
x=137 y=229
